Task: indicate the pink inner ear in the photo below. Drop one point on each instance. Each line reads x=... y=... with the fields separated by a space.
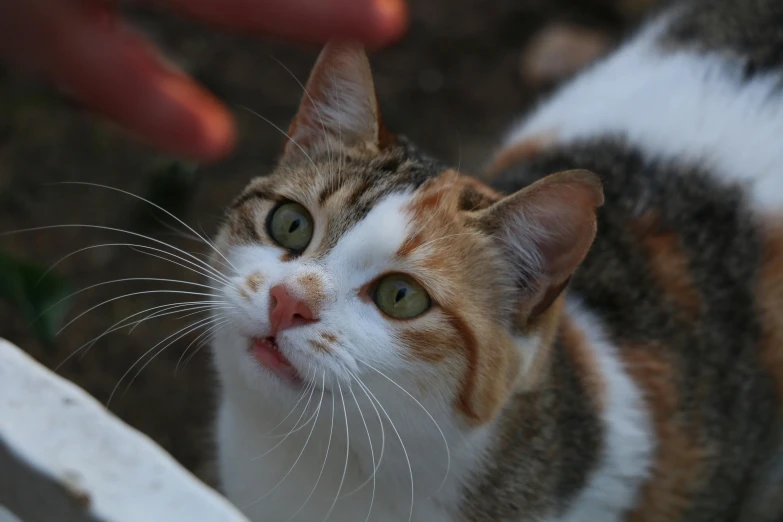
x=549 y=227
x=564 y=225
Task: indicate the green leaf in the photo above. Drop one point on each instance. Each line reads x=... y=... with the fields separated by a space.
x=37 y=295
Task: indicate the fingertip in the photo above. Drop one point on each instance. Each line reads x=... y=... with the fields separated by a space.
x=217 y=134
x=115 y=71
x=200 y=127
x=220 y=137
x=392 y=19
x=374 y=22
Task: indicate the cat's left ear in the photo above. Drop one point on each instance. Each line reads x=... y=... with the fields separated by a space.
x=339 y=103
x=545 y=230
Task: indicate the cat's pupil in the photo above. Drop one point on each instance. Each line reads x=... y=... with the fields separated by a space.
x=400 y=295
x=294 y=225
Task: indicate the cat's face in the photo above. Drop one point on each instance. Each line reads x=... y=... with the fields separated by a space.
x=359 y=258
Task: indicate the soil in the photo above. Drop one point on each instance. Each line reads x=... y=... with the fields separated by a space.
x=452 y=85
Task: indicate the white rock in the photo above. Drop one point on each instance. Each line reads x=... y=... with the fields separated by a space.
x=64 y=457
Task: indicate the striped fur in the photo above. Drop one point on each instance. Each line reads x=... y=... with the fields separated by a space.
x=601 y=347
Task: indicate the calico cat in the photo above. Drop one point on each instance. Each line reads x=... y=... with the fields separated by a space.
x=592 y=331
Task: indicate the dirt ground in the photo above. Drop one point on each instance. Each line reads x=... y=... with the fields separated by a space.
x=452 y=85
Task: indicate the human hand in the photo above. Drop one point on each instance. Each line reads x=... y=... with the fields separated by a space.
x=86 y=49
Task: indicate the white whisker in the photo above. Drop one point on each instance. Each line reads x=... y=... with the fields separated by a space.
x=121 y=324
x=372 y=453
x=113 y=229
x=347 y=453
x=443 y=436
x=187 y=329
x=123 y=280
x=186 y=311
x=303 y=447
x=214 y=247
x=402 y=444
x=294 y=429
x=131 y=194
x=323 y=466
x=135 y=246
x=205 y=334
x=210 y=322
x=204 y=342
x=310 y=384
x=198 y=270
x=375 y=464
x=251 y=111
x=130 y=295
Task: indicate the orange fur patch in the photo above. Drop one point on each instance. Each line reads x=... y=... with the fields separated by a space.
x=254 y=281
x=429 y=345
x=440 y=202
x=470 y=401
x=769 y=295
x=524 y=150
x=669 y=264
x=441 y=242
x=313 y=290
x=478 y=297
x=578 y=351
x=679 y=460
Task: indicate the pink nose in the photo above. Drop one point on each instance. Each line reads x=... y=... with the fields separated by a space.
x=286 y=311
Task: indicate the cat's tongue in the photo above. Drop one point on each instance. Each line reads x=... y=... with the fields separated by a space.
x=266 y=352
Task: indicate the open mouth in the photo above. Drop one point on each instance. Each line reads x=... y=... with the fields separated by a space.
x=267 y=353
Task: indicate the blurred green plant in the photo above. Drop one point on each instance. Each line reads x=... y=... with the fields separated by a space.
x=38 y=295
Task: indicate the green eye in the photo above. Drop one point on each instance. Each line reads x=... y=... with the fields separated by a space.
x=401 y=297
x=291 y=226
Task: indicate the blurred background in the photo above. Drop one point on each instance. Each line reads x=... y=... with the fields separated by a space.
x=464 y=72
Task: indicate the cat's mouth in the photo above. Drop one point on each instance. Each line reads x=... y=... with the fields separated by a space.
x=267 y=353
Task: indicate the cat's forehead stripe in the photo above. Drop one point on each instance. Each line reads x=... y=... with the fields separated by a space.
x=377 y=236
x=360 y=187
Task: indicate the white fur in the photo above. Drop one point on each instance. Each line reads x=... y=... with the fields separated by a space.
x=334 y=431
x=628 y=443
x=254 y=401
x=675 y=105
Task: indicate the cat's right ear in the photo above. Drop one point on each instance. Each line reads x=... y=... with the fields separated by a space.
x=545 y=230
x=339 y=103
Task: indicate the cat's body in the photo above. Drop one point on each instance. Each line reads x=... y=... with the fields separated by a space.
x=648 y=389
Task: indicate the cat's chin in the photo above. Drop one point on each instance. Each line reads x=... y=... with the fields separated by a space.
x=268 y=355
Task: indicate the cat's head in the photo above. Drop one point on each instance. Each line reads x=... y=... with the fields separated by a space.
x=358 y=255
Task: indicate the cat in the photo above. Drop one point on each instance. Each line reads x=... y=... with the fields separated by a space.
x=590 y=331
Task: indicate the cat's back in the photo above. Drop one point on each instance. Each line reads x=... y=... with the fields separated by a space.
x=684 y=125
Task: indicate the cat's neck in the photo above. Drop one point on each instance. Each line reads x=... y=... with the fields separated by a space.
x=416 y=442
